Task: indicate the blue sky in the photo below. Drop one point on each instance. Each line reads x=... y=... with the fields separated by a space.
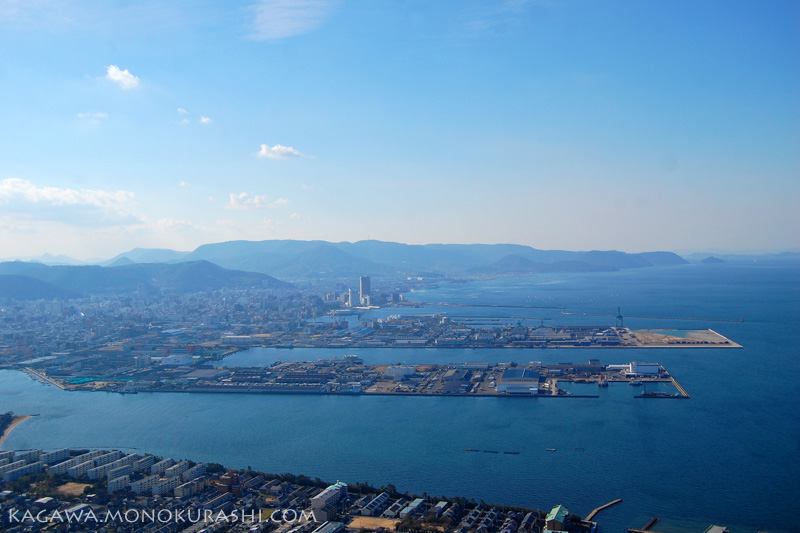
x=557 y=124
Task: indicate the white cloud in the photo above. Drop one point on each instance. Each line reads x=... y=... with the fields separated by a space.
x=69 y=206
x=183 y=184
x=278 y=19
x=93 y=118
x=169 y=224
x=244 y=201
x=92 y=115
x=182 y=111
x=205 y=120
x=278 y=152
x=123 y=78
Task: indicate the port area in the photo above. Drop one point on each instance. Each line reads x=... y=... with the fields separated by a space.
x=680 y=338
x=443 y=331
x=350 y=376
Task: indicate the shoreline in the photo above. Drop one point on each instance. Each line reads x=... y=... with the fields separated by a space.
x=17 y=420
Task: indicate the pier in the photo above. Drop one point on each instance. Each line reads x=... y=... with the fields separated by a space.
x=678 y=386
x=646 y=528
x=591 y=515
x=43 y=378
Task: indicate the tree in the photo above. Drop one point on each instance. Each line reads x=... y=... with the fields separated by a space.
x=573 y=523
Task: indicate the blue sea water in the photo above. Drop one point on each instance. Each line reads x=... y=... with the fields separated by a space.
x=727 y=456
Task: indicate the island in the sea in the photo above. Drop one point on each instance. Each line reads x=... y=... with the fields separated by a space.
x=349 y=375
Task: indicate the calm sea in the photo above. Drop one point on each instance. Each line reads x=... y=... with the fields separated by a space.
x=728 y=456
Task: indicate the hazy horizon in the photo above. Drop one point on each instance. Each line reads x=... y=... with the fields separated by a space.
x=554 y=124
x=683 y=253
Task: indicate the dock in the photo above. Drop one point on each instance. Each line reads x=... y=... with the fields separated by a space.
x=645 y=528
x=591 y=515
x=680 y=388
x=43 y=378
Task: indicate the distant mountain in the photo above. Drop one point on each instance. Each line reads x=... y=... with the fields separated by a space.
x=615 y=259
x=149 y=255
x=122 y=261
x=193 y=276
x=516 y=265
x=663 y=258
x=791 y=257
x=711 y=260
x=48 y=259
x=511 y=264
x=16 y=287
x=20 y=267
x=298 y=260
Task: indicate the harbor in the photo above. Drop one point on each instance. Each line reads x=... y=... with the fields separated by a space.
x=350 y=375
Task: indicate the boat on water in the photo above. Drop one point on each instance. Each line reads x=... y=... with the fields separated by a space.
x=550 y=449
x=635 y=383
x=471 y=450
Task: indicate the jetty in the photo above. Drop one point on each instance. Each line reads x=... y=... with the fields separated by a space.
x=591 y=515
x=680 y=388
x=645 y=528
x=42 y=377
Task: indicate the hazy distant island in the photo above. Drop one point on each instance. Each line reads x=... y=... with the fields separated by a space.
x=279 y=263
x=271 y=264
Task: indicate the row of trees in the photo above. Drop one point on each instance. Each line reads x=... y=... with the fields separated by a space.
x=5 y=420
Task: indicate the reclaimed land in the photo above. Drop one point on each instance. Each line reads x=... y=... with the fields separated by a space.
x=350 y=376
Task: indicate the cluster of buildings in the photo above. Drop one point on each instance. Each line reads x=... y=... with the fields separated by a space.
x=129 y=373
x=436 y=331
x=138 y=493
x=34 y=328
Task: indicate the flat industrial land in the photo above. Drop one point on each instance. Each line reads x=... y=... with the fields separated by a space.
x=672 y=338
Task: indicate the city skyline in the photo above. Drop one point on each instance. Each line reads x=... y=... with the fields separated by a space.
x=553 y=124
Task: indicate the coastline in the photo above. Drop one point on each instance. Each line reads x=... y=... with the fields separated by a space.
x=17 y=420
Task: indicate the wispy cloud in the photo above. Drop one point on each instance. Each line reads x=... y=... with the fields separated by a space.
x=92 y=115
x=182 y=111
x=244 y=201
x=70 y=206
x=123 y=78
x=93 y=118
x=502 y=16
x=205 y=120
x=279 y=19
x=169 y=225
x=278 y=152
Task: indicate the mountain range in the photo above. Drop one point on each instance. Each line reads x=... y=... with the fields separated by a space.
x=247 y=263
x=30 y=281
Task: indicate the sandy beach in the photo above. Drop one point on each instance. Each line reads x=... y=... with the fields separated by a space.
x=17 y=420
